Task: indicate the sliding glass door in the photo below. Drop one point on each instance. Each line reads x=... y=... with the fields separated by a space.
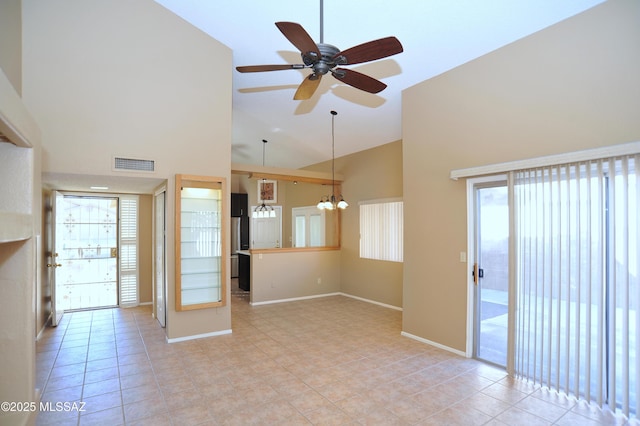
x=491 y=272
x=555 y=289
x=576 y=263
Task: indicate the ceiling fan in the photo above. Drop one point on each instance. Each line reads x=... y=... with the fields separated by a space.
x=322 y=58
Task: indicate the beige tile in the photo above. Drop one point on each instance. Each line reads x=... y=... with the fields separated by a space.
x=485 y=404
x=380 y=416
x=540 y=408
x=67 y=370
x=175 y=385
x=102 y=363
x=503 y=393
x=323 y=361
x=515 y=416
x=102 y=402
x=194 y=414
x=111 y=417
x=328 y=415
x=100 y=388
x=573 y=419
x=457 y=417
x=309 y=401
x=55 y=383
x=100 y=375
x=408 y=411
x=141 y=393
x=135 y=380
x=143 y=409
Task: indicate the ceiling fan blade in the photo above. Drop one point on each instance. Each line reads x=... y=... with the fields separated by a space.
x=298 y=37
x=370 y=51
x=359 y=80
x=260 y=68
x=308 y=87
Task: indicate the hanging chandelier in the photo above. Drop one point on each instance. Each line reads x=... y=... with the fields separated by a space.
x=330 y=202
x=263 y=211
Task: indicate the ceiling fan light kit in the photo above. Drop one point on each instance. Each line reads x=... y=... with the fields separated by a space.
x=323 y=58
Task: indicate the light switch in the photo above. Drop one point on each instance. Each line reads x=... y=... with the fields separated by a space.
x=463 y=256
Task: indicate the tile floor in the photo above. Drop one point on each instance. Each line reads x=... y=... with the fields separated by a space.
x=329 y=361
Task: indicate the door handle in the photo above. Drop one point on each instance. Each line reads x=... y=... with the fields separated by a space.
x=477 y=273
x=54 y=265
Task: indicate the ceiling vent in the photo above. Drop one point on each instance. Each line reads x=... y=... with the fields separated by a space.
x=135 y=164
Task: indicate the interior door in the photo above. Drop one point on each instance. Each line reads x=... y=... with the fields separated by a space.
x=491 y=273
x=53 y=251
x=160 y=257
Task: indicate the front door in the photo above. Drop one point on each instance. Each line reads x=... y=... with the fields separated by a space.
x=86 y=245
x=53 y=257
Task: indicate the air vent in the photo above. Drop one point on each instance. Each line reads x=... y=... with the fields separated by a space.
x=120 y=163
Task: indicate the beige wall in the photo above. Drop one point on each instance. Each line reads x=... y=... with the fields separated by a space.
x=11 y=42
x=130 y=79
x=572 y=86
x=278 y=276
x=145 y=261
x=368 y=175
x=372 y=174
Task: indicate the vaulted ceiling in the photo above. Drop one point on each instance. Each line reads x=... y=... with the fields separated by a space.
x=437 y=35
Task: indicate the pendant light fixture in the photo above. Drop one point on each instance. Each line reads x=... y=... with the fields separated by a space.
x=263 y=211
x=329 y=202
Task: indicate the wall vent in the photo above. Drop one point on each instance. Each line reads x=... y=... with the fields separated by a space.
x=120 y=163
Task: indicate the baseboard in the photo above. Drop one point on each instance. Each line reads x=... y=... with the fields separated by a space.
x=198 y=336
x=362 y=299
x=44 y=327
x=294 y=299
x=144 y=303
x=437 y=345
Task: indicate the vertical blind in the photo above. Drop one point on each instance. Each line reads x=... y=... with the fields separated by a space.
x=576 y=266
x=381 y=228
x=129 y=250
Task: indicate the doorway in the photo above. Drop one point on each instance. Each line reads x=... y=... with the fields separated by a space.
x=86 y=250
x=491 y=271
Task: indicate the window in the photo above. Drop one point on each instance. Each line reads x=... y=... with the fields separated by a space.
x=308 y=227
x=381 y=225
x=128 y=250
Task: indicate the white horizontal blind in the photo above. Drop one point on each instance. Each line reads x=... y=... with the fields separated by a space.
x=577 y=230
x=129 y=250
x=381 y=230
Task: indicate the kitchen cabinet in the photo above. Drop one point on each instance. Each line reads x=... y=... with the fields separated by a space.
x=240 y=208
x=200 y=242
x=239 y=205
